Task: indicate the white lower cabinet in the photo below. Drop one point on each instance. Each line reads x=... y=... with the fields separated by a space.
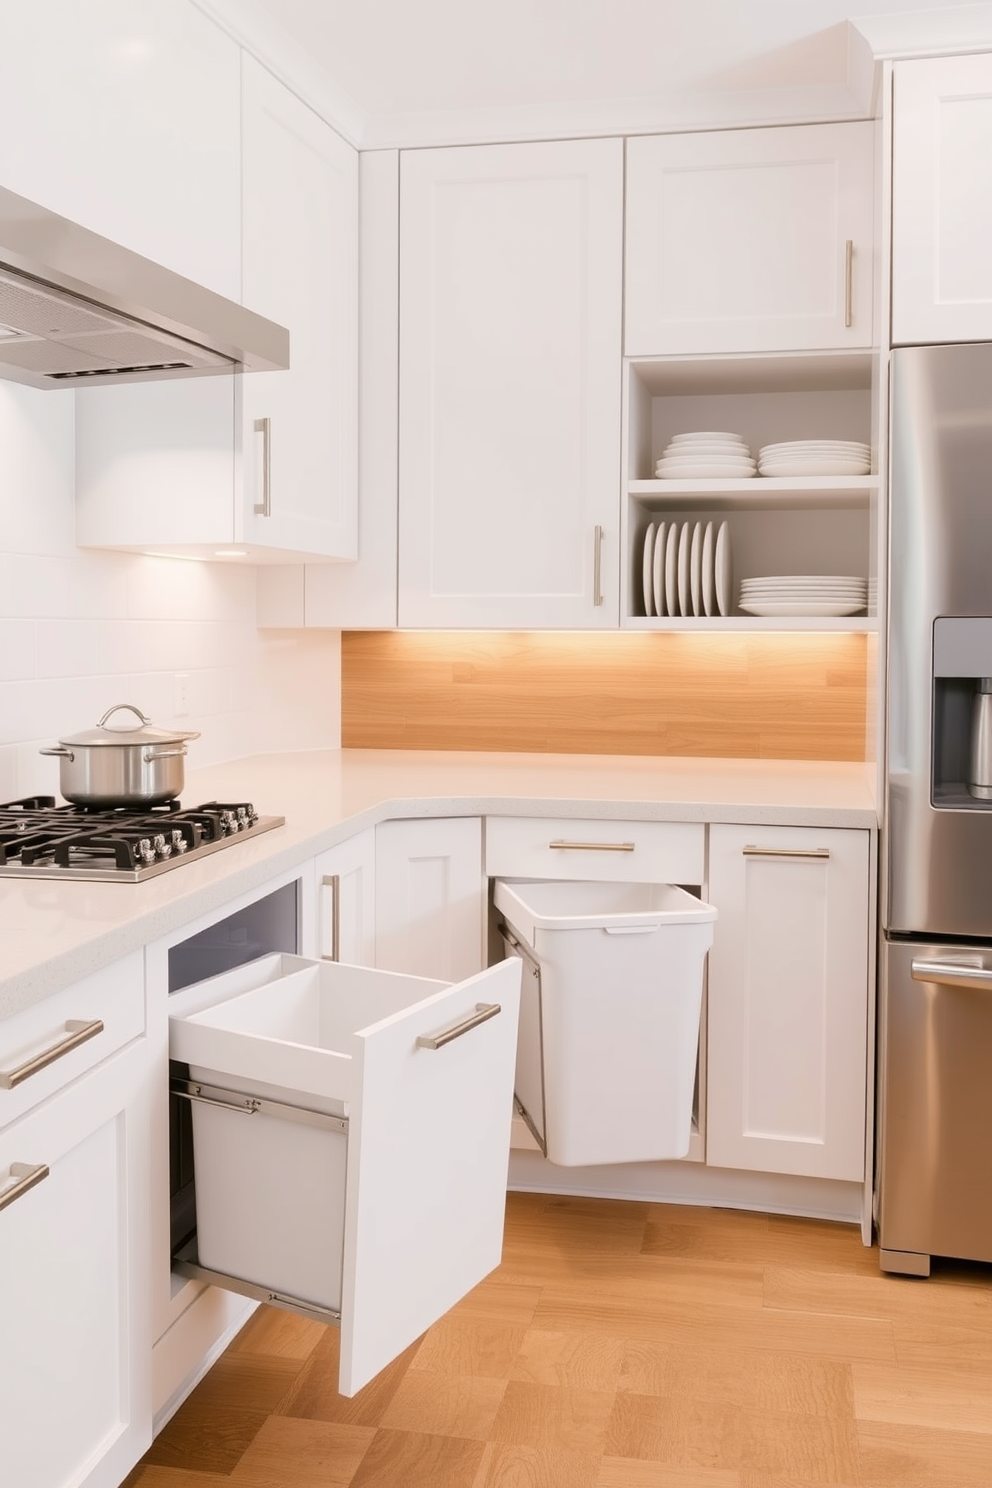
x=75 y=1349
x=351 y=1131
x=346 y=901
x=430 y=897
x=788 y=1000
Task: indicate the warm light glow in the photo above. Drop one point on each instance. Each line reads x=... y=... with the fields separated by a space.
x=230 y=552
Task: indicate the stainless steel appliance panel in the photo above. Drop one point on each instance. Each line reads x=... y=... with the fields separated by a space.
x=935 y=1153
x=937 y=846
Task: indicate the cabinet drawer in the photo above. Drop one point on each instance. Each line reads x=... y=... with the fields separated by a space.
x=351 y=1132
x=47 y=1046
x=617 y=851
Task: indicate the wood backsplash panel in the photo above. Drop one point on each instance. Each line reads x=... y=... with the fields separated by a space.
x=773 y=696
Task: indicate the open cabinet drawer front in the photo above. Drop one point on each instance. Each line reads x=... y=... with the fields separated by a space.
x=395 y=1230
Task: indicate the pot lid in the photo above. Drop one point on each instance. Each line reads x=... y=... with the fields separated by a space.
x=141 y=732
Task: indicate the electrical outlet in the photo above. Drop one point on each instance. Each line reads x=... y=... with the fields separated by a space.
x=180 y=701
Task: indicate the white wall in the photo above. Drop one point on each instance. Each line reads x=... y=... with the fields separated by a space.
x=82 y=630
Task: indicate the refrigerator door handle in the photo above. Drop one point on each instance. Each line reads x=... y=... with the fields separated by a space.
x=952 y=974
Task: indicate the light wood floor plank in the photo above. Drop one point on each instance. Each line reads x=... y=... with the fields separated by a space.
x=676 y=1430
x=515 y=1466
x=627 y=1472
x=406 y=1459
x=306 y=1454
x=919 y=1457
x=575 y=1359
x=553 y=1416
x=916 y=1395
x=445 y=1405
x=467 y=1345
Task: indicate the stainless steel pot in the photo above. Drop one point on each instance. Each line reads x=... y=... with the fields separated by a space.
x=140 y=765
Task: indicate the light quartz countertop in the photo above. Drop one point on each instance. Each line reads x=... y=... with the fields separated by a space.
x=52 y=933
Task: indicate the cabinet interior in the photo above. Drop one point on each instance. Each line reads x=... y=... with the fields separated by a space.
x=808 y=524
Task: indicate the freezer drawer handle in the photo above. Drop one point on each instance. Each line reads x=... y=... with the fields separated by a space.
x=563 y=846
x=77 y=1032
x=29 y=1177
x=951 y=974
x=251 y=1105
x=483 y=1012
x=785 y=852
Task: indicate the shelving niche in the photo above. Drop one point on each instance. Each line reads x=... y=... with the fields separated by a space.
x=807 y=525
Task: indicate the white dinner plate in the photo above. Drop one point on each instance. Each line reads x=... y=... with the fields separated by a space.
x=709 y=595
x=696 y=568
x=711 y=435
x=804 y=579
x=705 y=470
x=803 y=446
x=685 y=536
x=706 y=452
x=813 y=466
x=671 y=569
x=659 y=569
x=800 y=607
x=723 y=570
x=647 y=570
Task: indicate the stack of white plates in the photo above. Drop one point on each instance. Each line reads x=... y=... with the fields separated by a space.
x=815 y=457
x=705 y=456
x=804 y=594
x=686 y=569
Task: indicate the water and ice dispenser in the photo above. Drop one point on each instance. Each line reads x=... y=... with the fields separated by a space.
x=961 y=752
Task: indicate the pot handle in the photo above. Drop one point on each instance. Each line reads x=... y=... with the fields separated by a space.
x=116 y=709
x=154 y=753
x=60 y=751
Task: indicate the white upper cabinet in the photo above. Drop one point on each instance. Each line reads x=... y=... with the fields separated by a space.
x=510 y=309
x=124 y=117
x=750 y=240
x=301 y=269
x=941 y=202
x=265 y=462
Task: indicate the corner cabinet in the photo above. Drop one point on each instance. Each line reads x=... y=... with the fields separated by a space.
x=750 y=240
x=266 y=463
x=788 y=1001
x=941 y=204
x=430 y=897
x=510 y=306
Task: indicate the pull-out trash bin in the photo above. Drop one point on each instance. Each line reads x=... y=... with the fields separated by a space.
x=609 y=1015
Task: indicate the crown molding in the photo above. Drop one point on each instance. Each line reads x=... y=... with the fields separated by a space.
x=251 y=27
x=673 y=113
x=927 y=33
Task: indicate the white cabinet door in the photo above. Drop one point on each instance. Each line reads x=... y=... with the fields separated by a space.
x=750 y=240
x=788 y=1001
x=510 y=294
x=75 y=1358
x=941 y=202
x=301 y=269
x=125 y=117
x=346 y=913
x=180 y=467
x=430 y=897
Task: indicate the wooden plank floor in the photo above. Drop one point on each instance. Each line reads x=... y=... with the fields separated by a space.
x=623 y=1345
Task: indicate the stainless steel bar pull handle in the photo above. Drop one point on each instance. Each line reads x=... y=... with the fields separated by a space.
x=562 y=846
x=483 y=1012
x=332 y=881
x=952 y=974
x=597 y=566
x=785 y=852
x=77 y=1032
x=28 y=1176
x=263 y=508
x=849 y=282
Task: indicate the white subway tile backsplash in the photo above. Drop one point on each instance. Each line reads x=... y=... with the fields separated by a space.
x=18 y=650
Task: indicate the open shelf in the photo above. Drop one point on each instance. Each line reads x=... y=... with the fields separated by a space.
x=856 y=624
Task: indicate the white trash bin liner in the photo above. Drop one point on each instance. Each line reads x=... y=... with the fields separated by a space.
x=621 y=981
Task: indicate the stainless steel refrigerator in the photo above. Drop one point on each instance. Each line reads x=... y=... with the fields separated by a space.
x=935 y=984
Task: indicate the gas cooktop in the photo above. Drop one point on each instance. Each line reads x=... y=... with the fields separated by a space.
x=118 y=844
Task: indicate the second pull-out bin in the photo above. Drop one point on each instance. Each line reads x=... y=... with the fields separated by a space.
x=609 y=1017
x=351 y=1135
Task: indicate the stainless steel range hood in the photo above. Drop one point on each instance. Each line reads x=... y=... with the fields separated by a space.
x=77 y=310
